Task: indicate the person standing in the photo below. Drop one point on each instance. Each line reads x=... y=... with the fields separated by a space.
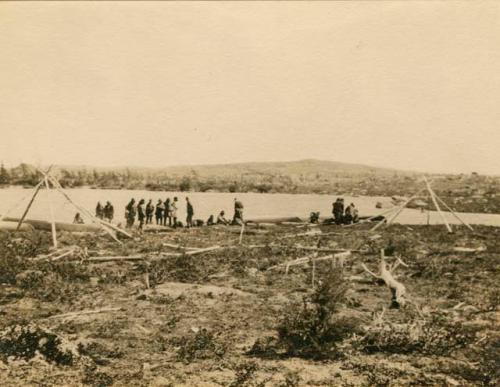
x=141 y=213
x=109 y=212
x=160 y=208
x=130 y=212
x=190 y=213
x=150 y=209
x=99 y=211
x=173 y=211
x=238 y=212
x=354 y=213
x=348 y=215
x=338 y=211
x=167 y=213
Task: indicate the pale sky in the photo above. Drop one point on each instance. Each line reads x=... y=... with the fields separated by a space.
x=403 y=85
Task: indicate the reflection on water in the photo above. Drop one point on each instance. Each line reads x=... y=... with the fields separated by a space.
x=205 y=204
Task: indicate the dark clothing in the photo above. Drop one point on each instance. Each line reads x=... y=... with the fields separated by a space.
x=238 y=212
x=190 y=213
x=150 y=209
x=130 y=212
x=109 y=212
x=159 y=212
x=338 y=212
x=99 y=211
x=348 y=215
x=141 y=215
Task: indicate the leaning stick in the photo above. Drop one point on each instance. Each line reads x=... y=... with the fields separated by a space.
x=433 y=197
x=37 y=189
x=2 y=217
x=453 y=212
x=388 y=211
x=84 y=210
x=398 y=211
x=51 y=209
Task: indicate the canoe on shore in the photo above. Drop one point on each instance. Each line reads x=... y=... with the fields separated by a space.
x=288 y=219
x=60 y=226
x=11 y=226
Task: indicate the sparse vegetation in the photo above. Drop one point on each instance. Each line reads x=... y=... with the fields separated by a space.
x=223 y=318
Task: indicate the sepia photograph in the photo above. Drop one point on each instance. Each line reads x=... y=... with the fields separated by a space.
x=249 y=193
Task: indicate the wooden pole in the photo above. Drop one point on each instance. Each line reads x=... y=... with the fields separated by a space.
x=431 y=192
x=81 y=209
x=453 y=212
x=388 y=211
x=241 y=232
x=37 y=189
x=52 y=218
x=398 y=211
x=313 y=272
x=2 y=217
x=28 y=207
x=100 y=222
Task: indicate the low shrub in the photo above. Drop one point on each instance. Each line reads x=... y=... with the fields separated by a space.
x=25 y=341
x=312 y=328
x=200 y=345
x=437 y=336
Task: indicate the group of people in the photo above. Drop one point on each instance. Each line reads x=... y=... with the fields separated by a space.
x=166 y=213
x=163 y=212
x=106 y=212
x=344 y=215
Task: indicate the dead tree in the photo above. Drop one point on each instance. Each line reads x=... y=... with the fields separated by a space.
x=398 y=290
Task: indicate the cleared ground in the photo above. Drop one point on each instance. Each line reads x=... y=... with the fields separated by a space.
x=213 y=319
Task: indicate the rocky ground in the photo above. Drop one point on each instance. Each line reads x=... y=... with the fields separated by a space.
x=224 y=318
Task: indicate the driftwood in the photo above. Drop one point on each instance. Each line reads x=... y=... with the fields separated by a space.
x=322 y=249
x=84 y=312
x=145 y=257
x=204 y=250
x=312 y=258
x=179 y=247
x=386 y=274
x=307 y=233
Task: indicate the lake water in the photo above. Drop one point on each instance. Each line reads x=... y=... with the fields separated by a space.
x=205 y=204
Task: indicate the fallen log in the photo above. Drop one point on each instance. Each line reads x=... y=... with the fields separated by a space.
x=204 y=250
x=322 y=249
x=179 y=247
x=84 y=312
x=312 y=258
x=116 y=258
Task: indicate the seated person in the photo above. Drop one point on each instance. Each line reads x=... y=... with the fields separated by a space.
x=210 y=221
x=221 y=219
x=314 y=217
x=77 y=219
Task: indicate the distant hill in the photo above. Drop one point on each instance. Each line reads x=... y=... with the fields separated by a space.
x=325 y=169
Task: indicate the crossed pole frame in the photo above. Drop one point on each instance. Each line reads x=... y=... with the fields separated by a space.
x=435 y=199
x=46 y=181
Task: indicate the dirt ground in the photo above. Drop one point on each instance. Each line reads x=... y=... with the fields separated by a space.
x=204 y=317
